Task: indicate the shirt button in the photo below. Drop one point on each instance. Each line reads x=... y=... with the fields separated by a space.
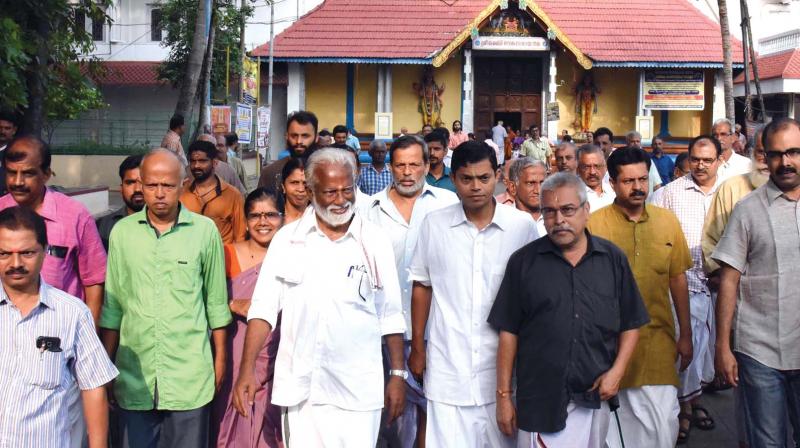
x=576 y=315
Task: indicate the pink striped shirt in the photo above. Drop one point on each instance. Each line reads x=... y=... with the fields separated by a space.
x=75 y=257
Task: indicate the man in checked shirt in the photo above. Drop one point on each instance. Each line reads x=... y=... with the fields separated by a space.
x=47 y=343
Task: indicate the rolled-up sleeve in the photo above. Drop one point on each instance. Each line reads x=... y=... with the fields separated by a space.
x=215 y=288
x=388 y=301
x=92 y=366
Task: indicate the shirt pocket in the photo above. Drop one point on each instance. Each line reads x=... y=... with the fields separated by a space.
x=659 y=256
x=45 y=369
x=184 y=282
x=361 y=292
x=605 y=312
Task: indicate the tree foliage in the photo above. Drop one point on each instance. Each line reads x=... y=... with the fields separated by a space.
x=44 y=75
x=179 y=22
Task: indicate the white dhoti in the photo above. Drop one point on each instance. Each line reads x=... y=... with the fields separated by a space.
x=701 y=369
x=464 y=427
x=326 y=426
x=586 y=428
x=648 y=417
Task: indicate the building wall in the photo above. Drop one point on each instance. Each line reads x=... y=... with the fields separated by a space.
x=405 y=101
x=365 y=86
x=128 y=38
x=690 y=123
x=326 y=93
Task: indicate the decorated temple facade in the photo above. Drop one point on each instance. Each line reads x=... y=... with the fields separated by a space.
x=382 y=65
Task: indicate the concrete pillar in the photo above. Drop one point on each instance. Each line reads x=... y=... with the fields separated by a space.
x=380 y=106
x=551 y=127
x=467 y=104
x=387 y=87
x=792 y=111
x=718 y=109
x=296 y=88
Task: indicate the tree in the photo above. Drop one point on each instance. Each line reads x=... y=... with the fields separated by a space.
x=181 y=21
x=43 y=44
x=727 y=59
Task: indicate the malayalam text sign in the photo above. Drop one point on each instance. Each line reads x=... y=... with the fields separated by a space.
x=244 y=123
x=673 y=90
x=512 y=43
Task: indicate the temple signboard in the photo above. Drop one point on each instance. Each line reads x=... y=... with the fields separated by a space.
x=673 y=90
x=512 y=43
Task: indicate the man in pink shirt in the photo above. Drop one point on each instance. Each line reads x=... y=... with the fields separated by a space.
x=458 y=136
x=76 y=261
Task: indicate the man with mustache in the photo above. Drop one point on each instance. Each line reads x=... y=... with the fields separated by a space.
x=689 y=197
x=166 y=301
x=48 y=346
x=333 y=277
x=592 y=170
x=458 y=136
x=438 y=174
x=399 y=210
x=525 y=183
x=75 y=261
x=760 y=258
x=456 y=269
x=653 y=242
x=210 y=196
x=567 y=157
x=131 y=190
x=568 y=311
x=301 y=138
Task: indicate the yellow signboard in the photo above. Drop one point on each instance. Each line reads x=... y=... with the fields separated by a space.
x=250 y=81
x=673 y=90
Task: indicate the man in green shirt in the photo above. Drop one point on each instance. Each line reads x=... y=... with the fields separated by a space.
x=536 y=147
x=165 y=289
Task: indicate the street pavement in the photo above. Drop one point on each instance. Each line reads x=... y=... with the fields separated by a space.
x=724 y=435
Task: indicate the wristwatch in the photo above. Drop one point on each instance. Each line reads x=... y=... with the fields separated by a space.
x=401 y=373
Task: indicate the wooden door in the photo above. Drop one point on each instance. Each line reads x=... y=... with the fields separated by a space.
x=507 y=85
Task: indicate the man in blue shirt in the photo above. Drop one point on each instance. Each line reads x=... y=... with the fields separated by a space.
x=438 y=174
x=375 y=176
x=663 y=162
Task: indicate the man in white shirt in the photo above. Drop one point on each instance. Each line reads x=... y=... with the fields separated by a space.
x=457 y=268
x=525 y=180
x=332 y=276
x=399 y=210
x=731 y=164
x=499 y=135
x=592 y=171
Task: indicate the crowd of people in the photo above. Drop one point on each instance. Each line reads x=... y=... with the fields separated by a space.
x=404 y=303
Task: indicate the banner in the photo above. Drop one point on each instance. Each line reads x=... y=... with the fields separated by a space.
x=262 y=127
x=673 y=90
x=250 y=80
x=220 y=119
x=244 y=123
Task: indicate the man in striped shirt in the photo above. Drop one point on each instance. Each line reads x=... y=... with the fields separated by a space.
x=47 y=343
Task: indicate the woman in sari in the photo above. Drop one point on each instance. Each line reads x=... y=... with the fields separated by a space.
x=264 y=214
x=293 y=184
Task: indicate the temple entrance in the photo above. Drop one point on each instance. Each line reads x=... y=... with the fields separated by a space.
x=508 y=87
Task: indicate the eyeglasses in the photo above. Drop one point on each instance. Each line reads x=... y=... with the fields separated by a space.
x=567 y=210
x=792 y=153
x=697 y=161
x=269 y=216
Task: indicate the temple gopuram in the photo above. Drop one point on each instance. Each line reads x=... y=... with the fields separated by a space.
x=380 y=65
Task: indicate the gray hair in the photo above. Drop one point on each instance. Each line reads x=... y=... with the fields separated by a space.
x=564 y=179
x=720 y=121
x=377 y=144
x=521 y=165
x=569 y=145
x=589 y=148
x=407 y=141
x=633 y=134
x=154 y=151
x=329 y=156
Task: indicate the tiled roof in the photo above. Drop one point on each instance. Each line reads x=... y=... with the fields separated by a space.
x=784 y=65
x=610 y=31
x=130 y=73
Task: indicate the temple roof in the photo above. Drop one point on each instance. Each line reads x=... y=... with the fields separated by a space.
x=635 y=33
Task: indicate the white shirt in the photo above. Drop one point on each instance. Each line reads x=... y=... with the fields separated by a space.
x=448 y=158
x=338 y=298
x=465 y=266
x=598 y=201
x=499 y=153
x=383 y=213
x=735 y=166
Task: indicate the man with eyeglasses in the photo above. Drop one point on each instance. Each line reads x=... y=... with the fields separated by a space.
x=166 y=301
x=656 y=249
x=333 y=277
x=568 y=311
x=760 y=278
x=689 y=198
x=592 y=170
x=457 y=267
x=731 y=163
x=566 y=157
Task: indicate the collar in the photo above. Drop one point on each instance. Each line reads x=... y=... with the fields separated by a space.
x=773 y=192
x=44 y=297
x=49 y=209
x=383 y=195
x=690 y=184
x=623 y=216
x=501 y=217
x=184 y=216
x=308 y=224
x=372 y=167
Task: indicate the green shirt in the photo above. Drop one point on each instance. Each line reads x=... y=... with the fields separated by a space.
x=163 y=294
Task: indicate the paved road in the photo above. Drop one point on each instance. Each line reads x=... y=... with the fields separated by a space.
x=724 y=435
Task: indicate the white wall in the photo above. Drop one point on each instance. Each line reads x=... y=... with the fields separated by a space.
x=286 y=13
x=768 y=17
x=128 y=38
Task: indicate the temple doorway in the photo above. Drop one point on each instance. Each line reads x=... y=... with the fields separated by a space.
x=508 y=87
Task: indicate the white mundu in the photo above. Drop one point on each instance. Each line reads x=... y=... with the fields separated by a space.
x=338 y=298
x=464 y=266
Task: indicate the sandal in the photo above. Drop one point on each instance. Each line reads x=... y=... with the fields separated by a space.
x=683 y=434
x=703 y=422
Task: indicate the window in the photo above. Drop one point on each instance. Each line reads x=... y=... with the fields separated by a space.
x=97 y=30
x=156 y=25
x=95 y=27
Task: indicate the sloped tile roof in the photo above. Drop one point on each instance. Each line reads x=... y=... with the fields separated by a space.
x=604 y=30
x=784 y=65
x=129 y=73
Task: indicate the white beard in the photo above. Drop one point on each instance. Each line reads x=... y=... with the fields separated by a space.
x=410 y=191
x=331 y=218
